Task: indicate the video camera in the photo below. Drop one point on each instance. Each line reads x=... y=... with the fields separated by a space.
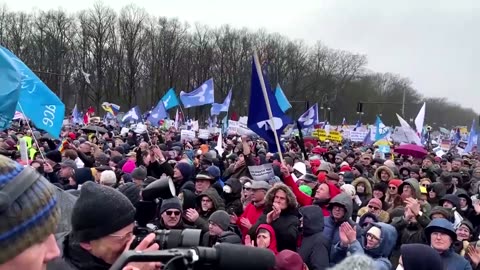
x=221 y=257
x=146 y=212
x=179 y=249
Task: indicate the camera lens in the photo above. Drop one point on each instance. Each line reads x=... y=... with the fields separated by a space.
x=167 y=239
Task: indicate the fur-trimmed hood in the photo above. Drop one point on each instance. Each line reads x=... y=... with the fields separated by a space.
x=292 y=200
x=379 y=170
x=365 y=182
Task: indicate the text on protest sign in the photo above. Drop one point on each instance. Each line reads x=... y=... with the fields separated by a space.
x=262 y=172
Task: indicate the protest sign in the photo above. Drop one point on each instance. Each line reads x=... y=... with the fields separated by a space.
x=333 y=135
x=357 y=136
x=203 y=134
x=187 y=135
x=262 y=172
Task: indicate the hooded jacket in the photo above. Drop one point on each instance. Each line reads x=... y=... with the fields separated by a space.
x=285 y=226
x=314 y=248
x=439 y=190
x=413 y=183
x=380 y=253
x=331 y=230
x=449 y=258
x=273 y=237
x=233 y=204
x=367 y=194
x=378 y=172
x=218 y=204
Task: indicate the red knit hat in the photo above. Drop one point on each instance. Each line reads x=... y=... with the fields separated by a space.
x=345 y=169
x=395 y=182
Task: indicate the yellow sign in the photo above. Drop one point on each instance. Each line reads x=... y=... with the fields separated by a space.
x=333 y=136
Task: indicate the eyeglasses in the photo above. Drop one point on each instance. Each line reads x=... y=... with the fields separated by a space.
x=122 y=237
x=392 y=187
x=369 y=235
x=373 y=207
x=170 y=212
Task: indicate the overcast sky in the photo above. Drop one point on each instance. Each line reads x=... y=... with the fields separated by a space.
x=435 y=43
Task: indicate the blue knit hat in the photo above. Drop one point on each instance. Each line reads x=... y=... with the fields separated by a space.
x=32 y=216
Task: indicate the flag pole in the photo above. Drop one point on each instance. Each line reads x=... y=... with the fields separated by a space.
x=31 y=130
x=267 y=103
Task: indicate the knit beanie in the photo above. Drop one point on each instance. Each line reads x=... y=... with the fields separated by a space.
x=139 y=173
x=395 y=182
x=172 y=203
x=100 y=211
x=131 y=191
x=348 y=189
x=375 y=202
x=306 y=189
x=185 y=169
x=220 y=218
x=32 y=216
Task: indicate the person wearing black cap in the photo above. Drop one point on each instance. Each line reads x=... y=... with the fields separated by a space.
x=171 y=215
x=99 y=234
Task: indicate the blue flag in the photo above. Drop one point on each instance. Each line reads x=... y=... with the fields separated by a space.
x=472 y=138
x=381 y=129
x=357 y=125
x=368 y=138
x=198 y=97
x=10 y=80
x=134 y=115
x=309 y=118
x=222 y=107
x=76 y=119
x=170 y=99
x=37 y=101
x=157 y=114
x=282 y=99
x=258 y=119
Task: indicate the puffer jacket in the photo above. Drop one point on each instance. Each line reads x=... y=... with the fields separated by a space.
x=226 y=237
x=380 y=254
x=286 y=226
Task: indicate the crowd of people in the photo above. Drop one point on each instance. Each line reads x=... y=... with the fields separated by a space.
x=76 y=203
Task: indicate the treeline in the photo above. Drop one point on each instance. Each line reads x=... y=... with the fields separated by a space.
x=133 y=58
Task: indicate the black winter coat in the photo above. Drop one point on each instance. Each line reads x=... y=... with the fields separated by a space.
x=314 y=248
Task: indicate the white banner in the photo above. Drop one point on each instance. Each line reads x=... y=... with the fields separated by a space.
x=187 y=135
x=203 y=134
x=262 y=172
x=358 y=136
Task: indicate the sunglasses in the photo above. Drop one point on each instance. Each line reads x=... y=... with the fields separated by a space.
x=169 y=213
x=373 y=207
x=392 y=187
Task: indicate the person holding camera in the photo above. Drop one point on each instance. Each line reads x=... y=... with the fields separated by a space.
x=102 y=229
